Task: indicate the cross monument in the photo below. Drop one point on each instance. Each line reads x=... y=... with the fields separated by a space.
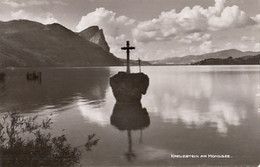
x=127 y=48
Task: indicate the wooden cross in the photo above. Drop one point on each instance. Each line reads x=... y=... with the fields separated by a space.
x=127 y=48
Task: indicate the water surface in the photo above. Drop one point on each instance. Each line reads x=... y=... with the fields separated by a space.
x=194 y=110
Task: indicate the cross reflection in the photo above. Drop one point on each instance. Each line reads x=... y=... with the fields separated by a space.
x=2 y=76
x=130 y=117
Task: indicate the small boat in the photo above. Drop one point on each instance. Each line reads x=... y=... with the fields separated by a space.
x=34 y=76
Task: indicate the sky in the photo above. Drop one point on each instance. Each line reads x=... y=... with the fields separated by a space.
x=157 y=28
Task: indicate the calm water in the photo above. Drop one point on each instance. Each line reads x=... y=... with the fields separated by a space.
x=187 y=110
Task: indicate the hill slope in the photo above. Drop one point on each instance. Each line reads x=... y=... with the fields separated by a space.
x=28 y=44
x=196 y=58
x=245 y=60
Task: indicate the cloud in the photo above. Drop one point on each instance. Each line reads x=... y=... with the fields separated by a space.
x=106 y=20
x=165 y=35
x=206 y=47
x=60 y=2
x=190 y=20
x=115 y=43
x=46 y=18
x=229 y=18
x=37 y=2
x=245 y=44
x=115 y=27
x=257 y=18
x=195 y=37
x=228 y=45
x=242 y=47
x=26 y=3
x=247 y=38
x=257 y=47
x=219 y=5
x=14 y=4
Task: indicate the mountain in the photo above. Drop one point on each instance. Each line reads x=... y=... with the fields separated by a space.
x=245 y=60
x=26 y=43
x=95 y=35
x=196 y=58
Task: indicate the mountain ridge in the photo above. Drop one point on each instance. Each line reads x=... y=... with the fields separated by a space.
x=189 y=59
x=25 y=43
x=245 y=60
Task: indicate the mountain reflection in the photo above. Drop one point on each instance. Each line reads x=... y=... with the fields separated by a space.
x=220 y=99
x=129 y=117
x=2 y=76
x=59 y=87
x=2 y=84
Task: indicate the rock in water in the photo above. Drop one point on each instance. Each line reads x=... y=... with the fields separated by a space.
x=129 y=87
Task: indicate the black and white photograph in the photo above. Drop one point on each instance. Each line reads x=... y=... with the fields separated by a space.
x=138 y=83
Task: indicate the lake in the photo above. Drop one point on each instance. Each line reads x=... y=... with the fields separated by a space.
x=192 y=115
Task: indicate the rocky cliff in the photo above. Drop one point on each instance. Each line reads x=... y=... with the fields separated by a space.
x=96 y=36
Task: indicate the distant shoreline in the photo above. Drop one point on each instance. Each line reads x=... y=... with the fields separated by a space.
x=155 y=65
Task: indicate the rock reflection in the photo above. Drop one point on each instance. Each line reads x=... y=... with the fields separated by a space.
x=129 y=117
